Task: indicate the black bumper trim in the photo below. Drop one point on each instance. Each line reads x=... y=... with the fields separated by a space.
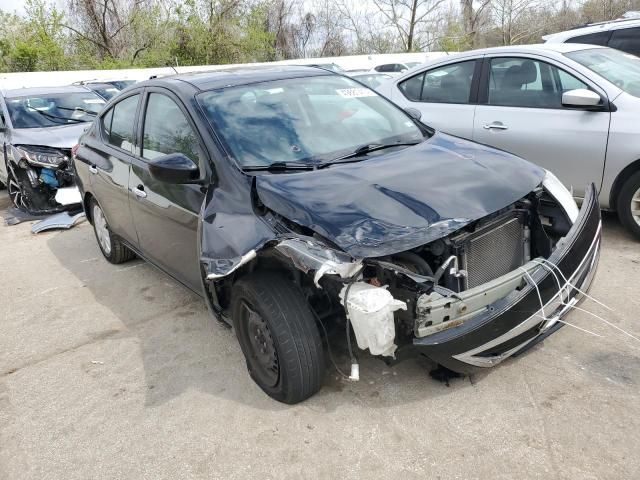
x=580 y=247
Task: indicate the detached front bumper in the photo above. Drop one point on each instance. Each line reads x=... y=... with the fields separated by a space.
x=516 y=322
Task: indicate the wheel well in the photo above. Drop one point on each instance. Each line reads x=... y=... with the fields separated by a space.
x=619 y=182
x=86 y=203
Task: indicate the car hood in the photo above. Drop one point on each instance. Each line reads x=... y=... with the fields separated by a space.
x=398 y=201
x=64 y=136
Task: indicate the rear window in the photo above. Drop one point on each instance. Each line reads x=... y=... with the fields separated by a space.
x=598 y=38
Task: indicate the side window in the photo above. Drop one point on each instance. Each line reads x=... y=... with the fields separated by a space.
x=412 y=87
x=523 y=82
x=598 y=38
x=626 y=39
x=166 y=130
x=448 y=84
x=122 y=119
x=568 y=82
x=105 y=123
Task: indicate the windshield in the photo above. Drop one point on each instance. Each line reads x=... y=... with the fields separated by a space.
x=50 y=110
x=621 y=69
x=373 y=80
x=105 y=91
x=122 y=84
x=304 y=119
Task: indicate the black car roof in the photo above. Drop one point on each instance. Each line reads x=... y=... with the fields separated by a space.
x=236 y=76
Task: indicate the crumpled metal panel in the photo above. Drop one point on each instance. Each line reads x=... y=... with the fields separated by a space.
x=398 y=201
x=229 y=228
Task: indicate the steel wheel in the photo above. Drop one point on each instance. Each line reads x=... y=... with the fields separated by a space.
x=635 y=206
x=102 y=231
x=262 y=356
x=15 y=191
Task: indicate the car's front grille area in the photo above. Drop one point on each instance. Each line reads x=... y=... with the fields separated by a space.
x=493 y=251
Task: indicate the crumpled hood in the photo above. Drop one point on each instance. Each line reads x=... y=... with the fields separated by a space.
x=64 y=136
x=398 y=201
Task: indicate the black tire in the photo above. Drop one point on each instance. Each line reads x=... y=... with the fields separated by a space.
x=291 y=332
x=625 y=207
x=111 y=247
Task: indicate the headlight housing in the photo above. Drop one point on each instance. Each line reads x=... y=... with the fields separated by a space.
x=41 y=156
x=558 y=191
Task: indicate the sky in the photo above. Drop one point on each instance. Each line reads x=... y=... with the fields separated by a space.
x=12 y=5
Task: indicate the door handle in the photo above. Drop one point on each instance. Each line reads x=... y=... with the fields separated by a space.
x=93 y=169
x=495 y=126
x=139 y=191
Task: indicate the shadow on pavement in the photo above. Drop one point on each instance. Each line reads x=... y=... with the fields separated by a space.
x=183 y=348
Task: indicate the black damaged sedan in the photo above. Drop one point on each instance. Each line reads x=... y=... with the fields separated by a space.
x=297 y=201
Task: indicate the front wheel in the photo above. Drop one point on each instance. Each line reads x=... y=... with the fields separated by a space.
x=629 y=204
x=15 y=191
x=278 y=335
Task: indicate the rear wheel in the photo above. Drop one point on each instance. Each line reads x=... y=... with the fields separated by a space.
x=110 y=246
x=629 y=204
x=279 y=337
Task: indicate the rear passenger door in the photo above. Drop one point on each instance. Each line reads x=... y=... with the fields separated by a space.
x=166 y=215
x=445 y=96
x=520 y=110
x=108 y=158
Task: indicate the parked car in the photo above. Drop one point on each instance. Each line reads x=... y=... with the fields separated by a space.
x=394 y=68
x=569 y=108
x=38 y=127
x=263 y=191
x=106 y=90
x=371 y=80
x=622 y=34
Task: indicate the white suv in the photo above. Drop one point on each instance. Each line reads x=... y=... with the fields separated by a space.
x=623 y=34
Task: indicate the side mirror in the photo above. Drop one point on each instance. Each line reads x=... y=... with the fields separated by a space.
x=174 y=168
x=581 y=97
x=413 y=113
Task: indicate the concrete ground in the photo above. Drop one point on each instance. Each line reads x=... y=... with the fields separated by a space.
x=117 y=372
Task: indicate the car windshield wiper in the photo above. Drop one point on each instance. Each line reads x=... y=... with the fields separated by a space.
x=79 y=109
x=56 y=117
x=363 y=150
x=280 y=167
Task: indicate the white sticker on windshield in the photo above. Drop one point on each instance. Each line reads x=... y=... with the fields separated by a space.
x=355 y=92
x=93 y=101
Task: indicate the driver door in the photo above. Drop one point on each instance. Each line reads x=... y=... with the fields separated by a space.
x=166 y=215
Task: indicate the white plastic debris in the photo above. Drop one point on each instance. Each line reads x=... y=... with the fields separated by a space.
x=68 y=196
x=370 y=311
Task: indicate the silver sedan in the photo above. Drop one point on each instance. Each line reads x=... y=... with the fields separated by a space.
x=573 y=109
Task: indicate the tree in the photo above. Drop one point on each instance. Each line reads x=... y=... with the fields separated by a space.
x=516 y=20
x=410 y=19
x=473 y=17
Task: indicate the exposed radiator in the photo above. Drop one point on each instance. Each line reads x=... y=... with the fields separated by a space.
x=494 y=250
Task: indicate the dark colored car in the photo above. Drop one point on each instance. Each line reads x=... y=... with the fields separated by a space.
x=38 y=127
x=287 y=197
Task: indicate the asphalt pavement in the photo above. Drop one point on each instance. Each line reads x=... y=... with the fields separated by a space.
x=117 y=372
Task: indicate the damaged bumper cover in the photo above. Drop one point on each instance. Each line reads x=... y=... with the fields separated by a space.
x=482 y=326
